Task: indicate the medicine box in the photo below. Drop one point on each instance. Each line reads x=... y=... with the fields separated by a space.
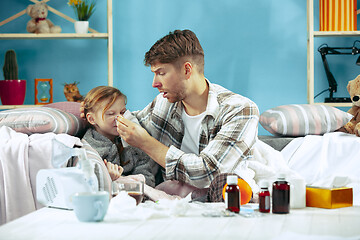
x=329 y=197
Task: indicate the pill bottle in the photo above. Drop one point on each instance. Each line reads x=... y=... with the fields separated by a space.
x=281 y=195
x=264 y=197
x=232 y=194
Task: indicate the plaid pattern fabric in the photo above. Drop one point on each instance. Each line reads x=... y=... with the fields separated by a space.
x=216 y=188
x=228 y=133
x=214 y=192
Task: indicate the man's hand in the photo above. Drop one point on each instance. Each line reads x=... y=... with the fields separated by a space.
x=114 y=170
x=137 y=136
x=131 y=133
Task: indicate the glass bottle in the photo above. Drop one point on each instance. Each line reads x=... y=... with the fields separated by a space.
x=264 y=198
x=281 y=195
x=44 y=88
x=232 y=194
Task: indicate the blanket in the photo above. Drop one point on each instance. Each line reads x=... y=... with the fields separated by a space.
x=331 y=160
x=21 y=157
x=265 y=165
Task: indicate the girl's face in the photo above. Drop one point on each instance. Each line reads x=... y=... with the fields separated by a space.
x=107 y=125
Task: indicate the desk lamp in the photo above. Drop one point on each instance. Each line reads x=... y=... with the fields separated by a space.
x=324 y=50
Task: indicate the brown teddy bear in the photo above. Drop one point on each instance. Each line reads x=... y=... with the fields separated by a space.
x=353 y=126
x=38 y=23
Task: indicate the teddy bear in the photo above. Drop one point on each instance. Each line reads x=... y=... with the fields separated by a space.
x=38 y=23
x=353 y=126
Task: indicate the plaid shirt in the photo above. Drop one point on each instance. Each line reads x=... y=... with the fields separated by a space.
x=228 y=133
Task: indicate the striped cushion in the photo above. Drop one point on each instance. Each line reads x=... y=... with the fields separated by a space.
x=41 y=120
x=303 y=119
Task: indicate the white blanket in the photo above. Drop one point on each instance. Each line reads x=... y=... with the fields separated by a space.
x=21 y=156
x=331 y=160
x=266 y=164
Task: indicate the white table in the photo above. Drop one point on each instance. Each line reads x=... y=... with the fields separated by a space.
x=50 y=223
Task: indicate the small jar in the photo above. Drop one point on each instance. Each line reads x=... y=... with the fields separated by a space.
x=281 y=195
x=232 y=194
x=264 y=198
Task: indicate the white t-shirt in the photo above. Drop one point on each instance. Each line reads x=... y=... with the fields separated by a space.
x=192 y=124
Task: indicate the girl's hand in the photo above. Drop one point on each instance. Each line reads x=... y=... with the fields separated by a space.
x=82 y=114
x=114 y=170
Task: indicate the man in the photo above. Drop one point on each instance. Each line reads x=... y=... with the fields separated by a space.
x=194 y=129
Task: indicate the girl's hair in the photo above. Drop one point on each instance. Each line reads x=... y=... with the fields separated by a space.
x=99 y=94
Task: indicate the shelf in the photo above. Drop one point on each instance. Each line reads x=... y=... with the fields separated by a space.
x=17 y=106
x=347 y=104
x=54 y=36
x=8 y=36
x=310 y=54
x=336 y=33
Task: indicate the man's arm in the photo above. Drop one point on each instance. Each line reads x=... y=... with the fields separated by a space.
x=138 y=137
x=225 y=150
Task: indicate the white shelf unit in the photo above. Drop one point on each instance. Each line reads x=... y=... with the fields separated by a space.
x=311 y=34
x=92 y=35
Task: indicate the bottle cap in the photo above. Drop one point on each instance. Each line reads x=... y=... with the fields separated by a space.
x=232 y=179
x=264 y=184
x=282 y=176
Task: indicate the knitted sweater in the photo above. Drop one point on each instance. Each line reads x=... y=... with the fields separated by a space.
x=132 y=159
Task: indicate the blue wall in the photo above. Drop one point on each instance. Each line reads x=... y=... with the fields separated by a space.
x=256 y=48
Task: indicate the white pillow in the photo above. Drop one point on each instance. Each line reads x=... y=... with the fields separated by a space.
x=303 y=119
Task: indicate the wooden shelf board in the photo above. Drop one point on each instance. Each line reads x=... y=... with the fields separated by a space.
x=17 y=106
x=336 y=33
x=347 y=104
x=53 y=36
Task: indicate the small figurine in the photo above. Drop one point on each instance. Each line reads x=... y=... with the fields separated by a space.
x=71 y=92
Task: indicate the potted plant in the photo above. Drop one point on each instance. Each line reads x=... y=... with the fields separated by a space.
x=83 y=10
x=12 y=90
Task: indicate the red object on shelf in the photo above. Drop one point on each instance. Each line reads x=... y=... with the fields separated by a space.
x=12 y=92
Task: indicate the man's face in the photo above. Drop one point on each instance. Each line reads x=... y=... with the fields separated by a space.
x=170 y=81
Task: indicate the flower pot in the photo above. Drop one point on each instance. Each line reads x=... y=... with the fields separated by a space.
x=81 y=26
x=12 y=92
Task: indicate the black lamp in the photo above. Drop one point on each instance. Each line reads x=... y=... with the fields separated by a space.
x=324 y=50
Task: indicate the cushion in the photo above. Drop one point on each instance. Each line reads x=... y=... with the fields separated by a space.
x=73 y=108
x=303 y=119
x=69 y=107
x=42 y=120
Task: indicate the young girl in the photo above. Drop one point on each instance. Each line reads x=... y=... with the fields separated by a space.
x=101 y=106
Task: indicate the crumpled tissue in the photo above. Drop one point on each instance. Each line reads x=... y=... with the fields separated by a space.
x=123 y=207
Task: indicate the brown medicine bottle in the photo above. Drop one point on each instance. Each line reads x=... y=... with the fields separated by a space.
x=281 y=195
x=232 y=194
x=264 y=198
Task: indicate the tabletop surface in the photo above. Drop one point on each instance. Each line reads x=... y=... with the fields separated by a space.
x=306 y=223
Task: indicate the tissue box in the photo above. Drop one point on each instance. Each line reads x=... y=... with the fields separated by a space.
x=329 y=197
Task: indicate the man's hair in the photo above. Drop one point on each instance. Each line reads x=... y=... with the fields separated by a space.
x=99 y=94
x=175 y=45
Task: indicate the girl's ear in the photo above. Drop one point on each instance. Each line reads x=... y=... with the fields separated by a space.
x=90 y=118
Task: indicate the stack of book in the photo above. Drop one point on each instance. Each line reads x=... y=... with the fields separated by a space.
x=338 y=15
